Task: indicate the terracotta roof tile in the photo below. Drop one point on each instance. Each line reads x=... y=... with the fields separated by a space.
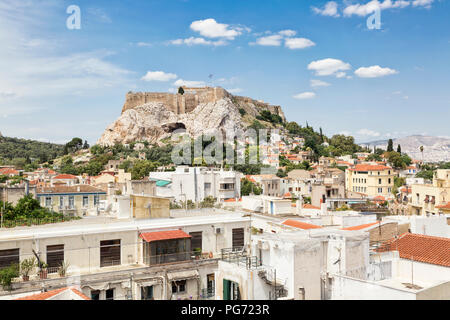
x=362 y=226
x=65 y=177
x=444 y=206
x=310 y=206
x=164 y=235
x=422 y=248
x=300 y=225
x=52 y=293
x=369 y=167
x=69 y=189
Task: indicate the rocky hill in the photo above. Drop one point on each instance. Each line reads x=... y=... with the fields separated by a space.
x=153 y=116
x=436 y=149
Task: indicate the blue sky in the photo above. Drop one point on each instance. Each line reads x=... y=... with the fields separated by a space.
x=317 y=59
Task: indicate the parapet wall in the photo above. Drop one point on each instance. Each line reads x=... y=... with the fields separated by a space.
x=191 y=98
x=176 y=103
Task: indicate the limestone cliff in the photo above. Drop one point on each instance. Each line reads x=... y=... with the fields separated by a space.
x=153 y=116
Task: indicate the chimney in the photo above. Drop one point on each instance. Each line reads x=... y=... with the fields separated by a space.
x=299 y=206
x=323 y=208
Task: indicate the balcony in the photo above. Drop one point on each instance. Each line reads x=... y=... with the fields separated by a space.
x=176 y=257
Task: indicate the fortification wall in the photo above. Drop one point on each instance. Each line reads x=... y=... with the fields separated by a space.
x=176 y=103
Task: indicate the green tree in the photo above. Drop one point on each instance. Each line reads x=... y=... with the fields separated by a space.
x=181 y=90
x=248 y=187
x=390 y=146
x=399 y=149
x=142 y=169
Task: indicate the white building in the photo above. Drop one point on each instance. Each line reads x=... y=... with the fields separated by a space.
x=197 y=183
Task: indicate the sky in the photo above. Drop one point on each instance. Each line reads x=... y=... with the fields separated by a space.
x=325 y=62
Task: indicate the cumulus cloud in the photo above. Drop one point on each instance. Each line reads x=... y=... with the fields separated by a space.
x=158 y=76
x=330 y=9
x=210 y=28
x=198 y=41
x=187 y=83
x=288 y=33
x=374 y=72
x=273 y=40
x=363 y=10
x=305 y=95
x=298 y=43
x=368 y=133
x=318 y=83
x=422 y=3
x=328 y=67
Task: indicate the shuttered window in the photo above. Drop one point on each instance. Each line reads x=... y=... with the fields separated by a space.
x=9 y=257
x=238 y=238
x=55 y=256
x=109 y=253
x=196 y=240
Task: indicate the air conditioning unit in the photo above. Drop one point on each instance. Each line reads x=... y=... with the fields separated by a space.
x=218 y=230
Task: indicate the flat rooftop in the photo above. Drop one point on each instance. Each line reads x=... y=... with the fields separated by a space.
x=92 y=225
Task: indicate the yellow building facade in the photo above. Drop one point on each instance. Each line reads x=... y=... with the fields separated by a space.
x=431 y=199
x=371 y=180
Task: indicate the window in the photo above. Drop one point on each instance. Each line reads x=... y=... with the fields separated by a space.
x=71 y=202
x=61 y=202
x=9 y=257
x=389 y=180
x=238 y=238
x=55 y=256
x=109 y=253
x=48 y=201
x=379 y=181
x=109 y=294
x=147 y=293
x=179 y=286
x=85 y=201
x=380 y=190
x=196 y=240
x=96 y=199
x=95 y=295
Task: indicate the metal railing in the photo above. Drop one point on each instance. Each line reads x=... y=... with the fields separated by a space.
x=176 y=257
x=208 y=293
x=239 y=256
x=35 y=221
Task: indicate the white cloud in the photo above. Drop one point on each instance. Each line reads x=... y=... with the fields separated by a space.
x=298 y=43
x=158 y=76
x=369 y=133
x=374 y=72
x=186 y=83
x=329 y=66
x=235 y=90
x=330 y=9
x=288 y=33
x=198 y=41
x=363 y=10
x=210 y=28
x=422 y=3
x=345 y=133
x=273 y=40
x=318 y=83
x=305 y=95
x=144 y=44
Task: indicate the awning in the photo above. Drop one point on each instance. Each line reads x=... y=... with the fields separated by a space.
x=164 y=235
x=182 y=275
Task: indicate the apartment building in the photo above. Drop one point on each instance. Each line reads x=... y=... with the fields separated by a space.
x=78 y=200
x=431 y=199
x=140 y=259
x=197 y=183
x=371 y=180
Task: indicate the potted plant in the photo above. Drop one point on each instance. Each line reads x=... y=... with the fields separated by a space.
x=43 y=271
x=7 y=275
x=26 y=266
x=197 y=253
x=63 y=268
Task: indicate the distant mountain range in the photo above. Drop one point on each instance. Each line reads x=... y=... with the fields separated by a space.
x=435 y=149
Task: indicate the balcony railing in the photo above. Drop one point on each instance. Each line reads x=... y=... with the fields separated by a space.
x=239 y=257
x=207 y=293
x=176 y=257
